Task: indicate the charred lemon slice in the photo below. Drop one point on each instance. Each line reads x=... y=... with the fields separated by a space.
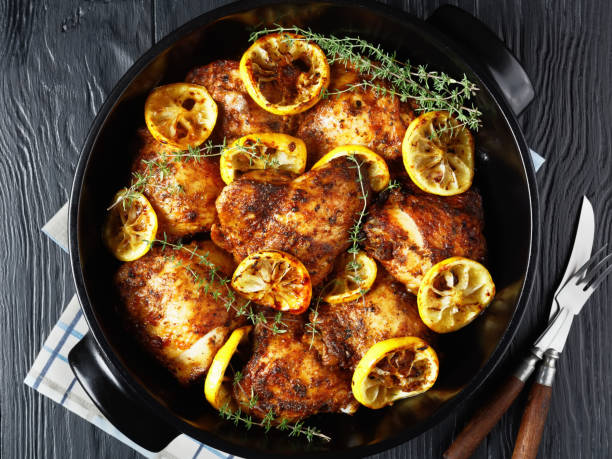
x=180 y=114
x=375 y=165
x=130 y=226
x=263 y=151
x=394 y=369
x=284 y=73
x=438 y=154
x=216 y=386
x=275 y=279
x=453 y=293
x=355 y=274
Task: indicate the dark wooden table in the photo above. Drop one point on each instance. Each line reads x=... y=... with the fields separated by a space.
x=59 y=59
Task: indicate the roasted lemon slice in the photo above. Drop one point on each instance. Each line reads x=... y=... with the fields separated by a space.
x=355 y=274
x=376 y=167
x=130 y=226
x=216 y=388
x=275 y=279
x=263 y=151
x=180 y=114
x=453 y=293
x=394 y=369
x=284 y=73
x=438 y=154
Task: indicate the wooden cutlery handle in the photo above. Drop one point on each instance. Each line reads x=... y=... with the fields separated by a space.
x=532 y=424
x=536 y=412
x=486 y=418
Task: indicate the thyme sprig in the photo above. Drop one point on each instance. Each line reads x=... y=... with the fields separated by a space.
x=447 y=127
x=432 y=90
x=254 y=153
x=160 y=167
x=269 y=421
x=355 y=236
x=393 y=185
x=228 y=296
x=311 y=326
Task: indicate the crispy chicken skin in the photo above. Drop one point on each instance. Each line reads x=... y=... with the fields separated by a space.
x=308 y=216
x=412 y=230
x=358 y=117
x=183 y=198
x=288 y=377
x=173 y=320
x=348 y=330
x=239 y=115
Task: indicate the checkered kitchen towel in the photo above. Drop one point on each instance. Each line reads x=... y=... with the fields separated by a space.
x=51 y=375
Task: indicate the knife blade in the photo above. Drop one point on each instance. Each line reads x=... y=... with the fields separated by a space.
x=583 y=245
x=556 y=333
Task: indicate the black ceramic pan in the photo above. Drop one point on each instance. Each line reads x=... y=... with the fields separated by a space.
x=138 y=396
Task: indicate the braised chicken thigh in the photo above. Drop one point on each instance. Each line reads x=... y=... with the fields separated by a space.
x=287 y=376
x=183 y=194
x=412 y=230
x=170 y=314
x=238 y=114
x=348 y=330
x=358 y=117
x=308 y=216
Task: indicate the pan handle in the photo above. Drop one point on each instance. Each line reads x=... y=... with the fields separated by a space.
x=131 y=417
x=479 y=41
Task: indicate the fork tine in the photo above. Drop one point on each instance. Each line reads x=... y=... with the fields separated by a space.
x=588 y=263
x=600 y=279
x=592 y=274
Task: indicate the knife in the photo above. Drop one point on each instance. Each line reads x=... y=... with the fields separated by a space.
x=556 y=332
x=583 y=246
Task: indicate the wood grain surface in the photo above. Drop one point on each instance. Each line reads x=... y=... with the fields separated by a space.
x=60 y=58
